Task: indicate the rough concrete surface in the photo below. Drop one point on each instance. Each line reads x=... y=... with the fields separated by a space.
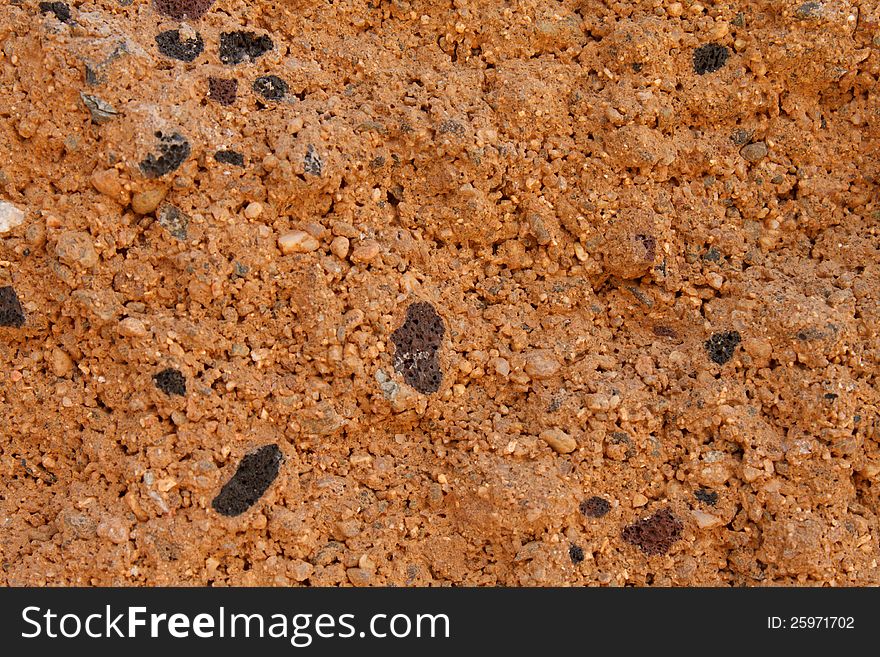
x=407 y=292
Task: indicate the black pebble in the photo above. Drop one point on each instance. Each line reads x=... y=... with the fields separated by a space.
x=173 y=151
x=721 y=346
x=171 y=382
x=235 y=47
x=11 y=313
x=255 y=474
x=270 y=87
x=706 y=496
x=595 y=507
x=230 y=157
x=576 y=554
x=170 y=45
x=709 y=58
x=417 y=344
x=60 y=9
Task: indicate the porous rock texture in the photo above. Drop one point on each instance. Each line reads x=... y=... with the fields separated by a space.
x=592 y=198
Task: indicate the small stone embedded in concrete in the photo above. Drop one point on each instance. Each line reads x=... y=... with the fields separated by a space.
x=61 y=362
x=254 y=475
x=253 y=210
x=709 y=58
x=173 y=150
x=541 y=364
x=595 y=507
x=706 y=496
x=172 y=45
x=173 y=220
x=417 y=344
x=313 y=163
x=183 y=9
x=359 y=576
x=501 y=366
x=270 y=87
x=339 y=247
x=132 y=327
x=706 y=520
x=171 y=381
x=60 y=10
x=222 y=90
x=300 y=570
x=721 y=346
x=346 y=529
x=110 y=184
x=230 y=157
x=76 y=249
x=113 y=529
x=366 y=251
x=148 y=200
x=10 y=216
x=389 y=388
x=809 y=11
x=576 y=554
x=11 y=312
x=559 y=441
x=297 y=241
x=236 y=47
x=740 y=136
x=630 y=248
x=754 y=152
x=100 y=110
x=656 y=534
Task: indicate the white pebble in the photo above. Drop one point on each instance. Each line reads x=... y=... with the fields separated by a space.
x=706 y=520
x=10 y=217
x=339 y=247
x=502 y=366
x=253 y=210
x=132 y=327
x=297 y=241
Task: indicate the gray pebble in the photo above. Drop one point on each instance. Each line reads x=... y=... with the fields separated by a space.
x=754 y=152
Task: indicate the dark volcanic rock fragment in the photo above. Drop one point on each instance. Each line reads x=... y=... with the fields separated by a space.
x=223 y=90
x=656 y=534
x=255 y=474
x=709 y=58
x=59 y=9
x=417 y=345
x=230 y=157
x=173 y=150
x=235 y=47
x=170 y=381
x=11 y=312
x=595 y=507
x=270 y=87
x=185 y=50
x=721 y=346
